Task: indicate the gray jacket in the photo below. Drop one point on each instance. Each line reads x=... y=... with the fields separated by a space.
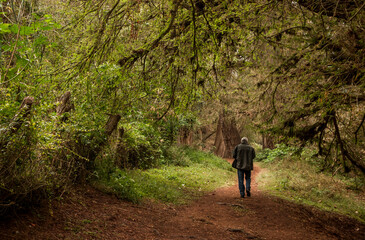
x=244 y=154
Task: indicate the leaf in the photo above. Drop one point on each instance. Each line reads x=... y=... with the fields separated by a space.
x=4 y=28
x=41 y=40
x=24 y=30
x=21 y=61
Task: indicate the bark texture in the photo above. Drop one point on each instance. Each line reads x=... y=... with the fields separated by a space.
x=65 y=105
x=267 y=141
x=227 y=137
x=185 y=136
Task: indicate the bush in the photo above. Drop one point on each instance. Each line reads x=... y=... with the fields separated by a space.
x=26 y=177
x=176 y=156
x=142 y=146
x=269 y=155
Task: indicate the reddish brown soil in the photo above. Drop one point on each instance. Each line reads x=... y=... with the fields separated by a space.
x=90 y=214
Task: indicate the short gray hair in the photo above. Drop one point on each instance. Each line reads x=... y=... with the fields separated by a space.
x=244 y=140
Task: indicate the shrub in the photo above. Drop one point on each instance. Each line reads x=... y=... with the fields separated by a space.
x=142 y=146
x=268 y=155
x=26 y=176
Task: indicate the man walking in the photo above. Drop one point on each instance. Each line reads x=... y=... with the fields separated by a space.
x=243 y=155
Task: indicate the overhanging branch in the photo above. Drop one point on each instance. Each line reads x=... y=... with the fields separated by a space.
x=137 y=53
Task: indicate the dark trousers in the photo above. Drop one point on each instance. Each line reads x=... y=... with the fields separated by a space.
x=247 y=175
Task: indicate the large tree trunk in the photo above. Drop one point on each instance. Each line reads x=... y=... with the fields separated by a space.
x=227 y=137
x=267 y=141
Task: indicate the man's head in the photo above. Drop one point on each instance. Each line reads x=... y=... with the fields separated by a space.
x=244 y=140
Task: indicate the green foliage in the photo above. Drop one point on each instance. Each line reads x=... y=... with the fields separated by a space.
x=300 y=179
x=143 y=145
x=186 y=156
x=174 y=182
x=122 y=185
x=124 y=57
x=26 y=43
x=269 y=155
x=176 y=156
x=169 y=126
x=26 y=177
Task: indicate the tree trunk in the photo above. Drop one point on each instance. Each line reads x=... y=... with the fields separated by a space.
x=84 y=155
x=267 y=141
x=227 y=137
x=65 y=105
x=121 y=151
x=112 y=124
x=185 y=136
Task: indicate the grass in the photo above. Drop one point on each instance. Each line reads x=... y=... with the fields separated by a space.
x=299 y=180
x=186 y=174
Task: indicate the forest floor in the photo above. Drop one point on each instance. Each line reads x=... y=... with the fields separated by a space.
x=90 y=214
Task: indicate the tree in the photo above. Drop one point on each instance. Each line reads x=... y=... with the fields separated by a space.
x=309 y=55
x=316 y=92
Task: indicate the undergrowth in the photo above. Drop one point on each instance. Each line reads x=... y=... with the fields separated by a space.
x=300 y=179
x=185 y=174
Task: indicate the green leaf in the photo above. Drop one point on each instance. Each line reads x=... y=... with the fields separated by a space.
x=4 y=28
x=41 y=40
x=21 y=61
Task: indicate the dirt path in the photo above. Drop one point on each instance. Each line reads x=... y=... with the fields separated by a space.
x=89 y=214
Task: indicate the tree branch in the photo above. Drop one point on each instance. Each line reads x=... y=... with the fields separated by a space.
x=331 y=8
x=344 y=151
x=137 y=53
x=358 y=129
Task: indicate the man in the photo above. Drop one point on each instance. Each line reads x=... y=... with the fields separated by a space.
x=244 y=154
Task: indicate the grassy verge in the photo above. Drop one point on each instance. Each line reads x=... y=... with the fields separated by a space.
x=186 y=174
x=298 y=179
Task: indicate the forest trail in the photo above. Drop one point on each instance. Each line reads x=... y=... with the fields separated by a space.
x=89 y=214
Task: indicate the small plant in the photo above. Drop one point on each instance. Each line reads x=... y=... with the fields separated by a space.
x=122 y=185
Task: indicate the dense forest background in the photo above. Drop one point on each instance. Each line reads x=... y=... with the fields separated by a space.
x=119 y=82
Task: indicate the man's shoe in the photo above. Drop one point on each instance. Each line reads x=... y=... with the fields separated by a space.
x=248 y=194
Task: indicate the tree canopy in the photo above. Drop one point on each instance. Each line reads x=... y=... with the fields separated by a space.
x=293 y=69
